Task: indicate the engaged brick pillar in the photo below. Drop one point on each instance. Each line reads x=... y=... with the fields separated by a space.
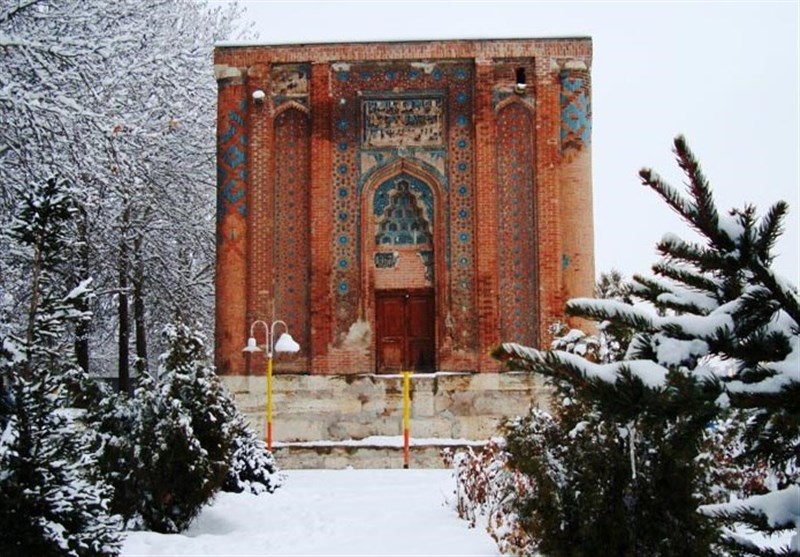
x=486 y=216
x=231 y=270
x=576 y=183
x=321 y=220
x=259 y=209
x=548 y=205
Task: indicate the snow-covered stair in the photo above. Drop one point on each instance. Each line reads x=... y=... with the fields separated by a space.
x=336 y=421
x=370 y=453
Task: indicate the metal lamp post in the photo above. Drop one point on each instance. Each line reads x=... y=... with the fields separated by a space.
x=285 y=344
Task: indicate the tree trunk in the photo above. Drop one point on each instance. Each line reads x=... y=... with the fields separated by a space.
x=122 y=308
x=36 y=273
x=138 y=306
x=82 y=327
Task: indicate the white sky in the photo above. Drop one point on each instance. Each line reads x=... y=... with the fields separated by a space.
x=724 y=74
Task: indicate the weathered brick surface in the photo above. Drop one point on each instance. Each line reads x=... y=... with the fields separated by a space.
x=509 y=184
x=232 y=229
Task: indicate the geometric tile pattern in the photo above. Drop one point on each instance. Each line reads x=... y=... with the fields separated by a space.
x=450 y=81
x=516 y=229
x=291 y=238
x=231 y=165
x=576 y=111
x=403 y=216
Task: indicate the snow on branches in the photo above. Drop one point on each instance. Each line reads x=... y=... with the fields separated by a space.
x=714 y=301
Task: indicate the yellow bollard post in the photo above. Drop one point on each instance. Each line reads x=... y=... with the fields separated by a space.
x=269 y=402
x=406 y=415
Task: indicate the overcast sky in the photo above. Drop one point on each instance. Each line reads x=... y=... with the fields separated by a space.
x=724 y=74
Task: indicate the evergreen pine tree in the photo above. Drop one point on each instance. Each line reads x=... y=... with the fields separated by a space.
x=49 y=505
x=592 y=473
x=148 y=452
x=175 y=476
x=252 y=467
x=187 y=376
x=721 y=299
x=168 y=449
x=111 y=432
x=235 y=452
x=42 y=244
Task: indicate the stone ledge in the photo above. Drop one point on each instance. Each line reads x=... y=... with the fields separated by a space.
x=366 y=453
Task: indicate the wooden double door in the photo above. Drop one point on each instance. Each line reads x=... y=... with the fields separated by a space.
x=405 y=321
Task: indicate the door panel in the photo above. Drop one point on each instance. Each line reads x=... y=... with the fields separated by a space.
x=390 y=313
x=391 y=355
x=405 y=339
x=420 y=316
x=420 y=335
x=393 y=314
x=420 y=356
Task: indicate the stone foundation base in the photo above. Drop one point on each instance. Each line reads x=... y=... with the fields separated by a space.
x=460 y=407
x=367 y=454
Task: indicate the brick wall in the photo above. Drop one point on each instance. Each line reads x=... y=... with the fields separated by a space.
x=508 y=184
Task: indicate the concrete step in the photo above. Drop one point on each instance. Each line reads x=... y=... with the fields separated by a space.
x=372 y=452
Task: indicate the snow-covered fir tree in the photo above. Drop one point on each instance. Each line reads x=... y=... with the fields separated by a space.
x=41 y=244
x=148 y=451
x=175 y=476
x=49 y=503
x=223 y=432
x=252 y=467
x=109 y=418
x=715 y=299
x=597 y=485
x=186 y=376
x=176 y=442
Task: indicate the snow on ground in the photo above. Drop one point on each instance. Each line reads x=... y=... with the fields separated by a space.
x=330 y=512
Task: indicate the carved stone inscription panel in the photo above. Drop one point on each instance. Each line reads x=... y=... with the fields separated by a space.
x=406 y=122
x=290 y=80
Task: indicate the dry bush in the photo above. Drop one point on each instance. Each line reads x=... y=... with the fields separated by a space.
x=487 y=492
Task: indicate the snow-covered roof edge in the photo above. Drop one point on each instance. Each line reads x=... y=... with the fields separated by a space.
x=261 y=43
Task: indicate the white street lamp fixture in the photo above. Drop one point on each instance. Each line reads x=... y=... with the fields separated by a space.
x=251 y=345
x=285 y=344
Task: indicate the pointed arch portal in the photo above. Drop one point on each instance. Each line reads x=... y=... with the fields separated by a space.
x=401 y=259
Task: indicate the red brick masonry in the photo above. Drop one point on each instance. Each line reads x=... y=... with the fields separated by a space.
x=492 y=138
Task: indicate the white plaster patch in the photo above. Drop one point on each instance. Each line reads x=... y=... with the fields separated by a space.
x=359 y=335
x=368 y=162
x=433 y=159
x=426 y=67
x=223 y=71
x=575 y=65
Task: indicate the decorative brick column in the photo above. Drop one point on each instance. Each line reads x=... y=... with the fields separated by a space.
x=321 y=219
x=260 y=203
x=231 y=269
x=486 y=217
x=548 y=207
x=576 y=183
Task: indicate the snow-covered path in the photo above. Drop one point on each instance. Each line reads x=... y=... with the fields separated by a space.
x=330 y=512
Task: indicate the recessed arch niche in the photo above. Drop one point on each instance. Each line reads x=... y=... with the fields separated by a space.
x=402 y=257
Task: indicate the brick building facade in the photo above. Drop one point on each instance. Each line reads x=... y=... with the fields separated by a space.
x=401 y=205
